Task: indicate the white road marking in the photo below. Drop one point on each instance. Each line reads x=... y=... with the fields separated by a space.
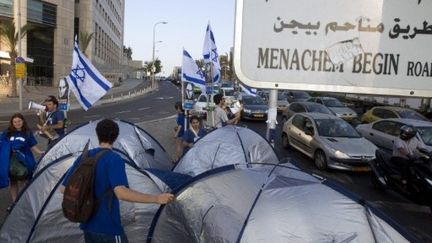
x=165 y=98
x=160 y=119
x=121 y=112
x=91 y=116
x=4 y=121
x=144 y=108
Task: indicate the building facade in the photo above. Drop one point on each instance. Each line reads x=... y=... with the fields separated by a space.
x=49 y=43
x=105 y=19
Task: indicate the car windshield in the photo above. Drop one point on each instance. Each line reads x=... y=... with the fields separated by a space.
x=319 y=109
x=425 y=134
x=332 y=103
x=229 y=92
x=282 y=96
x=335 y=128
x=253 y=101
x=301 y=95
x=411 y=115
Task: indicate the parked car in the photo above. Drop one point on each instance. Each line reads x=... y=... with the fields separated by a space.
x=295 y=96
x=254 y=108
x=384 y=112
x=329 y=141
x=282 y=101
x=384 y=132
x=229 y=95
x=201 y=104
x=339 y=109
x=263 y=93
x=297 y=107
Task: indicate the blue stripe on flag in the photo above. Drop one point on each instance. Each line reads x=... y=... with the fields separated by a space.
x=82 y=98
x=90 y=72
x=186 y=54
x=193 y=80
x=207 y=56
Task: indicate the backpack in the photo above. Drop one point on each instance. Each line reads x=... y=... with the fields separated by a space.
x=79 y=201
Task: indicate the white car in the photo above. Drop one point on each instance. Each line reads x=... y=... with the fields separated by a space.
x=201 y=104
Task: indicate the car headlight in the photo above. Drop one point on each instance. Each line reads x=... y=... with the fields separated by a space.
x=339 y=115
x=247 y=110
x=341 y=155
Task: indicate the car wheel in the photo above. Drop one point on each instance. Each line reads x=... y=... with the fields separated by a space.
x=320 y=160
x=285 y=141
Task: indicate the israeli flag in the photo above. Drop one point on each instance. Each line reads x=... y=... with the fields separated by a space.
x=248 y=90
x=85 y=81
x=210 y=53
x=191 y=73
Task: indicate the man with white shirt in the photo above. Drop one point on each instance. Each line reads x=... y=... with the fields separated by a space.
x=221 y=117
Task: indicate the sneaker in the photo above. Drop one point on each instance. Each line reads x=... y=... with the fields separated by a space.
x=9 y=209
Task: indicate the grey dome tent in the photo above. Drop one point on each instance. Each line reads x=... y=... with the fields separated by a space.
x=37 y=215
x=140 y=146
x=269 y=203
x=223 y=146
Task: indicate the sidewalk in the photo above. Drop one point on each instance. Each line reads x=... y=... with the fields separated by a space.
x=127 y=89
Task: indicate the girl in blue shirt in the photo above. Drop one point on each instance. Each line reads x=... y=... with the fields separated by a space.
x=194 y=133
x=17 y=143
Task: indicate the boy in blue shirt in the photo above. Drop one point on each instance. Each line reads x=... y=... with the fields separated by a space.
x=105 y=224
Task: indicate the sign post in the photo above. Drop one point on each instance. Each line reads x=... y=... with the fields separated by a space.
x=377 y=47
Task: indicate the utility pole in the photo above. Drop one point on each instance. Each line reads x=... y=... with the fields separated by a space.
x=19 y=54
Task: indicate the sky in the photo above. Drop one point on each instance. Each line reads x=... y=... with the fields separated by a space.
x=187 y=22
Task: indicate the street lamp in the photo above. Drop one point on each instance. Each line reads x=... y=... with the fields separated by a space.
x=153 y=56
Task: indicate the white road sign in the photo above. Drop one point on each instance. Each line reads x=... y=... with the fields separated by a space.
x=358 y=46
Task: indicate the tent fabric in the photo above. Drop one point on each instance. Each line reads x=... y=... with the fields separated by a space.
x=223 y=146
x=140 y=146
x=37 y=215
x=268 y=203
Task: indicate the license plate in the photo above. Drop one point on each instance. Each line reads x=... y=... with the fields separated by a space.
x=258 y=115
x=362 y=169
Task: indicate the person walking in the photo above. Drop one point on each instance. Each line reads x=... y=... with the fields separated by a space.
x=194 y=133
x=17 y=143
x=179 y=129
x=105 y=225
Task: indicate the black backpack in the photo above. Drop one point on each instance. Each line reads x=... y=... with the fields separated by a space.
x=79 y=201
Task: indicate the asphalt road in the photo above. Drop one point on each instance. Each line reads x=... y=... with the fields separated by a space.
x=153 y=106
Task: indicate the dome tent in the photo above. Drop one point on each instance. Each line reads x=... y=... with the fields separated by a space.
x=223 y=146
x=140 y=146
x=37 y=215
x=269 y=203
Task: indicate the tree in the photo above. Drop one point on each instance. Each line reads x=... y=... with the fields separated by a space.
x=128 y=52
x=10 y=37
x=84 y=39
x=157 y=64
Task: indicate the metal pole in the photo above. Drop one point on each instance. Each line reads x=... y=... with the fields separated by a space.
x=271 y=119
x=153 y=54
x=20 y=107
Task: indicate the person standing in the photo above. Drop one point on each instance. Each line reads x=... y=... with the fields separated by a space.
x=179 y=129
x=221 y=118
x=194 y=133
x=105 y=224
x=54 y=119
x=17 y=161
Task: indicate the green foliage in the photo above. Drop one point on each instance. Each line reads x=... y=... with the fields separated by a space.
x=84 y=40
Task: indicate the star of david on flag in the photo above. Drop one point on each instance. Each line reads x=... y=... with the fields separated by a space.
x=191 y=73
x=210 y=53
x=248 y=90
x=85 y=81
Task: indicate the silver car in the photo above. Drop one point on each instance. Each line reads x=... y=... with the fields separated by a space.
x=329 y=140
x=339 y=109
x=383 y=132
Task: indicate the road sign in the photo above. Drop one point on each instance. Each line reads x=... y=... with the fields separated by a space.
x=20 y=70
x=359 y=46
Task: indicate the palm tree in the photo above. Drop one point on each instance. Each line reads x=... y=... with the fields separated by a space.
x=84 y=41
x=10 y=37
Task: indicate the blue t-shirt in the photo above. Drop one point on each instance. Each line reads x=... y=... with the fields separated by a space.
x=180 y=122
x=22 y=143
x=190 y=137
x=110 y=172
x=54 y=118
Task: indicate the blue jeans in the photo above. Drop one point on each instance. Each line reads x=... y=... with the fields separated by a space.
x=91 y=237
